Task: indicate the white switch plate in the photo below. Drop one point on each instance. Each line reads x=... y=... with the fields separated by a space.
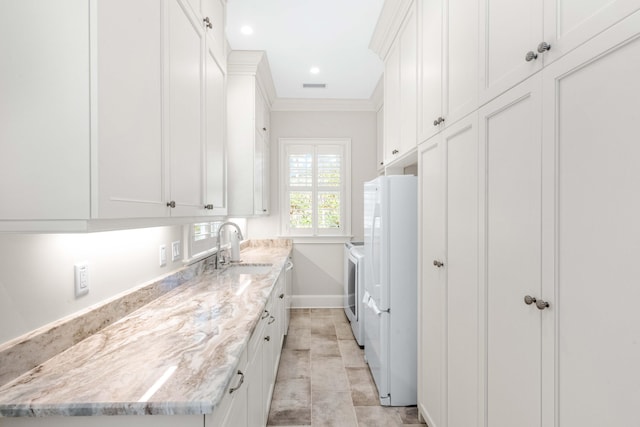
x=163 y=255
x=81 y=275
x=175 y=250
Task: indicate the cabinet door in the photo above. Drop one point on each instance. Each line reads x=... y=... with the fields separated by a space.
x=216 y=164
x=460 y=57
x=130 y=144
x=409 y=83
x=44 y=110
x=508 y=30
x=430 y=93
x=392 y=104
x=591 y=116
x=185 y=75
x=431 y=332
x=214 y=10
x=569 y=23
x=511 y=140
x=461 y=270
x=261 y=176
x=380 y=138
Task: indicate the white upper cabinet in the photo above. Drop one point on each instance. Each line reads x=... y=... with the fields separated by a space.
x=185 y=118
x=119 y=97
x=510 y=31
x=44 y=110
x=400 y=91
x=430 y=82
x=215 y=142
x=129 y=110
x=448 y=63
x=518 y=37
x=249 y=94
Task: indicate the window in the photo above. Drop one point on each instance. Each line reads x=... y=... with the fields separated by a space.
x=315 y=180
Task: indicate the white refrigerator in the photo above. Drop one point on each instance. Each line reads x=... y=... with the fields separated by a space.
x=390 y=305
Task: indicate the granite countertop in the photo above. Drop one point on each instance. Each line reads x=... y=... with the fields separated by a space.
x=175 y=355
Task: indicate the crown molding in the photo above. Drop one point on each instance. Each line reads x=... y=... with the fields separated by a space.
x=304 y=104
x=253 y=63
x=389 y=23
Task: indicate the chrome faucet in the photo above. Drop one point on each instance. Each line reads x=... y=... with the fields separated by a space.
x=219 y=243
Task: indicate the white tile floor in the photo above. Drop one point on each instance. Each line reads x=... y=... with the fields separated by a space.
x=323 y=379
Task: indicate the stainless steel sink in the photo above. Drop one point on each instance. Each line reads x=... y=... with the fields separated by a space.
x=252 y=269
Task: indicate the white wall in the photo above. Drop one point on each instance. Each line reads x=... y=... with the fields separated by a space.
x=319 y=267
x=37 y=275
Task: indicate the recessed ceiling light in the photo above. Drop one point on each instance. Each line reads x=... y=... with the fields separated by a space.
x=246 y=30
x=314 y=70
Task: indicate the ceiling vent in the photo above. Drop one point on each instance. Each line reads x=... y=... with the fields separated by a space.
x=314 y=85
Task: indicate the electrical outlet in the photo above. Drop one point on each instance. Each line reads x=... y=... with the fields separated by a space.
x=175 y=250
x=81 y=274
x=163 y=255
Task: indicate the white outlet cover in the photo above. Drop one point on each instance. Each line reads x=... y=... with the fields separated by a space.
x=175 y=250
x=81 y=278
x=163 y=255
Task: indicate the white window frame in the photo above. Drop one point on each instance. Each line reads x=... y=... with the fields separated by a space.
x=345 y=189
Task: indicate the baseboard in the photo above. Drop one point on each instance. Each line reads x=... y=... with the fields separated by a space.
x=317 y=301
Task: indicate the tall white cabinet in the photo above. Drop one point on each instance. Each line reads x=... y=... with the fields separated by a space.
x=249 y=98
x=528 y=230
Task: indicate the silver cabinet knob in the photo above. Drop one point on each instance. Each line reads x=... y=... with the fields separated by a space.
x=438 y=263
x=265 y=314
x=395 y=152
x=542 y=304
x=281 y=296
x=437 y=121
x=171 y=204
x=543 y=47
x=208 y=206
x=267 y=338
x=207 y=22
x=528 y=299
x=531 y=55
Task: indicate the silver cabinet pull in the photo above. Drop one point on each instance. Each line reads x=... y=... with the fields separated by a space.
x=267 y=338
x=208 y=206
x=281 y=296
x=207 y=22
x=531 y=55
x=528 y=299
x=171 y=204
x=438 y=121
x=271 y=320
x=265 y=315
x=232 y=389
x=542 y=304
x=543 y=47
x=395 y=152
x=438 y=263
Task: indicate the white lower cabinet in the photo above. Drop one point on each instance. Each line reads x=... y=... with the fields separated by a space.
x=232 y=410
x=510 y=129
x=541 y=253
x=448 y=292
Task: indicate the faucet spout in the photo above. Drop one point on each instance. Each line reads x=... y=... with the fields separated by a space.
x=224 y=224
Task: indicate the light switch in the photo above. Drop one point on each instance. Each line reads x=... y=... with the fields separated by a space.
x=163 y=255
x=81 y=273
x=175 y=250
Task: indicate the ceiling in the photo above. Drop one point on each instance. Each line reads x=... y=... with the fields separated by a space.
x=332 y=35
